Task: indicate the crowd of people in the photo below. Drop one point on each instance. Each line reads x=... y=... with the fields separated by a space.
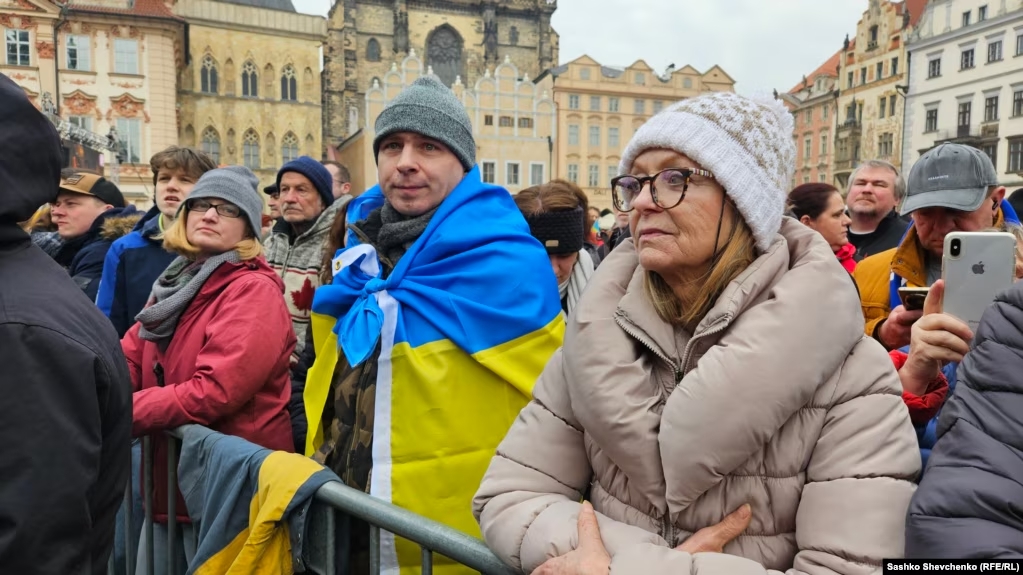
x=717 y=376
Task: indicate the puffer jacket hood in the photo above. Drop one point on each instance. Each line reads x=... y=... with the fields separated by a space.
x=116 y=227
x=669 y=432
x=30 y=156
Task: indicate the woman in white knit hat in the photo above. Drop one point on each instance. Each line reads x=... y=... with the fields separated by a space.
x=715 y=400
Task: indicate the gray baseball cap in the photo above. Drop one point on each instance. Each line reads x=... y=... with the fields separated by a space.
x=952 y=176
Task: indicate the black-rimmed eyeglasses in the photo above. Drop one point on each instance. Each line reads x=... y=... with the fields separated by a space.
x=667 y=188
x=202 y=205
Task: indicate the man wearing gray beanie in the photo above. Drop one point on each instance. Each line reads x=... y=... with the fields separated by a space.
x=448 y=262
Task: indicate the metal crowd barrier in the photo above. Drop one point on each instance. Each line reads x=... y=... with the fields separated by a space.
x=331 y=502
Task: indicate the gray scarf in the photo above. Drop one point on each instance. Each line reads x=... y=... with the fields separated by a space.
x=397 y=232
x=176 y=287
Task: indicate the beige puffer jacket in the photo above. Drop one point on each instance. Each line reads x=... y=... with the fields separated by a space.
x=781 y=402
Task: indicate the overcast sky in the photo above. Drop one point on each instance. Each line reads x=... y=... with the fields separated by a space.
x=763 y=45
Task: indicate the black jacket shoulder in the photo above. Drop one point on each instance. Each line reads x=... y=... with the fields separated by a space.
x=67 y=394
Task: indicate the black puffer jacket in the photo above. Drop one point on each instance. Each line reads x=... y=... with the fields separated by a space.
x=65 y=416
x=970 y=502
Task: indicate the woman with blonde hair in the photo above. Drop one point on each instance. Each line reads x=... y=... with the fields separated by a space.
x=556 y=213
x=716 y=399
x=213 y=345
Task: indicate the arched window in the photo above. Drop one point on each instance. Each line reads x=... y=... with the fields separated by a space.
x=289 y=147
x=250 y=150
x=211 y=144
x=250 y=80
x=208 y=75
x=289 y=84
x=373 y=50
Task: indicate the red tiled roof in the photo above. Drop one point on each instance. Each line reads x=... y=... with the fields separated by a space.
x=829 y=68
x=916 y=10
x=145 y=8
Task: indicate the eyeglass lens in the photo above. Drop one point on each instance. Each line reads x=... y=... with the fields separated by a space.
x=668 y=188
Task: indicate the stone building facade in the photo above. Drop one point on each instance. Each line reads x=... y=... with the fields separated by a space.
x=966 y=82
x=514 y=123
x=872 y=66
x=600 y=108
x=812 y=103
x=250 y=94
x=105 y=63
x=457 y=39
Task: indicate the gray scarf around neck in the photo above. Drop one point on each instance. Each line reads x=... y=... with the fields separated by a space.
x=398 y=232
x=175 y=289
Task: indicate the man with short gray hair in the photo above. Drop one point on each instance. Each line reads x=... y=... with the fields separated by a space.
x=875 y=190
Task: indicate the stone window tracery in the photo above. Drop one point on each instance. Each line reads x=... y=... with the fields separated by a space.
x=208 y=75
x=289 y=84
x=250 y=80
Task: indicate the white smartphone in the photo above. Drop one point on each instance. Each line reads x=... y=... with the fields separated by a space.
x=975 y=267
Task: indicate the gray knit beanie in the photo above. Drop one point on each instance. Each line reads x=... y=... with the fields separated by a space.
x=235 y=184
x=430 y=108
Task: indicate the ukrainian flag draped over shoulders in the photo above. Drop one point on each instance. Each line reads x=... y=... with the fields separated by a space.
x=466 y=322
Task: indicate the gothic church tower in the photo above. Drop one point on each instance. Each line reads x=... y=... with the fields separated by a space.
x=459 y=39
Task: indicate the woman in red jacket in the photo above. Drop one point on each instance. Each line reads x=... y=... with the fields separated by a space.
x=820 y=207
x=213 y=345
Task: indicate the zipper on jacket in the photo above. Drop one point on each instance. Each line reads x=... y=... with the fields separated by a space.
x=620 y=320
x=668 y=530
x=687 y=354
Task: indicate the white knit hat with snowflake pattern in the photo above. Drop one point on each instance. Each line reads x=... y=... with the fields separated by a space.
x=746 y=142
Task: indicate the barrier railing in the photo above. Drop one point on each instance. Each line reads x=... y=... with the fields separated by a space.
x=332 y=502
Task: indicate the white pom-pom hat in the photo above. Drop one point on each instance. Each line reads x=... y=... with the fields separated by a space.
x=746 y=142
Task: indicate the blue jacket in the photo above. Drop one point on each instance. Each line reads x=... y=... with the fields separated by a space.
x=130 y=269
x=927 y=435
x=83 y=256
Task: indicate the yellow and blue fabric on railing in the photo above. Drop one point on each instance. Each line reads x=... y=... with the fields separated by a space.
x=466 y=321
x=253 y=503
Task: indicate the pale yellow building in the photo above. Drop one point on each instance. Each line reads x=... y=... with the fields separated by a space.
x=600 y=108
x=111 y=63
x=513 y=122
x=870 y=108
x=250 y=94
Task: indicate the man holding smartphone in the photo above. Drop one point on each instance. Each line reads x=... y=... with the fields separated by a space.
x=951 y=188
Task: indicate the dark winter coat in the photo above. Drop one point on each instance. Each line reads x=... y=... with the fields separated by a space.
x=968 y=503
x=83 y=256
x=65 y=418
x=130 y=269
x=226 y=367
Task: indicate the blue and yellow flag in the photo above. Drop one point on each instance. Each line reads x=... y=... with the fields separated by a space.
x=466 y=321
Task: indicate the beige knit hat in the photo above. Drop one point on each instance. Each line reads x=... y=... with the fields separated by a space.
x=746 y=142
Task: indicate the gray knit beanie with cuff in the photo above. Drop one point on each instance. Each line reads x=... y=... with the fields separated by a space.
x=429 y=108
x=235 y=184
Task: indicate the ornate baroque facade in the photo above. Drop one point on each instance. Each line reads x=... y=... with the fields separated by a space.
x=456 y=39
x=251 y=92
x=105 y=63
x=872 y=65
x=513 y=122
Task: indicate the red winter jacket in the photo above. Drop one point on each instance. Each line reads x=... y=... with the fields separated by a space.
x=922 y=408
x=226 y=368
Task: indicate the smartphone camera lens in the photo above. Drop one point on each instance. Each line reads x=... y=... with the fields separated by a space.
x=955 y=247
